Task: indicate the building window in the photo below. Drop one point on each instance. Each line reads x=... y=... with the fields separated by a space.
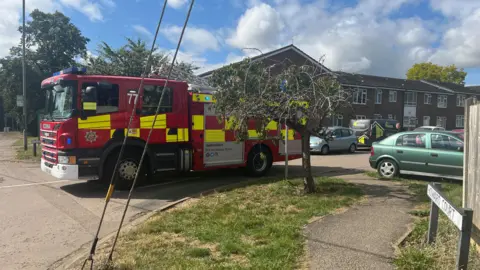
x=360 y=96
x=427 y=99
x=460 y=121
x=338 y=120
x=390 y=116
x=442 y=101
x=460 y=100
x=378 y=96
x=411 y=98
x=361 y=117
x=442 y=121
x=410 y=121
x=377 y=116
x=426 y=120
x=392 y=96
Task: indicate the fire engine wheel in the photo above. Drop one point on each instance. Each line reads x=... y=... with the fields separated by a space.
x=126 y=169
x=259 y=161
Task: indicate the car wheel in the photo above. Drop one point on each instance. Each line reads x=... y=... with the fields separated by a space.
x=388 y=168
x=325 y=150
x=352 y=148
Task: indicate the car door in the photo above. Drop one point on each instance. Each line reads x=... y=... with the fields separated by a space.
x=335 y=142
x=410 y=150
x=347 y=138
x=445 y=155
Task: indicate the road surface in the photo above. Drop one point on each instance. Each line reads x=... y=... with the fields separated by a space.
x=44 y=219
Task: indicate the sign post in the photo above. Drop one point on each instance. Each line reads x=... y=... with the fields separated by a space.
x=286 y=150
x=461 y=217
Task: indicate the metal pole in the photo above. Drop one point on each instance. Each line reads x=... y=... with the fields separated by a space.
x=286 y=150
x=25 y=145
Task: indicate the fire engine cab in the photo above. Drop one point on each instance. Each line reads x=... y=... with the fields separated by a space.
x=87 y=117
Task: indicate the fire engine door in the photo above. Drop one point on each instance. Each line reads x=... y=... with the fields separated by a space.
x=220 y=148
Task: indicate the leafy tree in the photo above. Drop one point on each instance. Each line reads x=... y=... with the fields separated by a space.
x=248 y=89
x=130 y=60
x=52 y=43
x=430 y=71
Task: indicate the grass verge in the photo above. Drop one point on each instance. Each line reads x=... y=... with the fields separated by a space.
x=255 y=227
x=21 y=154
x=415 y=254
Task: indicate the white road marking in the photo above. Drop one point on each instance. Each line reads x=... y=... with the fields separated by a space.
x=35 y=184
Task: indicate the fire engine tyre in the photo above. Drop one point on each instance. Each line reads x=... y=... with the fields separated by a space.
x=259 y=161
x=126 y=169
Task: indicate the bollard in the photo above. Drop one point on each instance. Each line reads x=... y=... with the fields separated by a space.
x=34 y=149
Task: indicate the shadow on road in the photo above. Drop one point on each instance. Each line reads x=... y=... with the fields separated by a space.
x=171 y=187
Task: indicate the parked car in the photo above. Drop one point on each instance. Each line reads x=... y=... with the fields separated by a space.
x=372 y=130
x=429 y=153
x=334 y=139
x=429 y=128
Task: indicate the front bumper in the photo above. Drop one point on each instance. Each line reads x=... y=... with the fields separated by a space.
x=61 y=171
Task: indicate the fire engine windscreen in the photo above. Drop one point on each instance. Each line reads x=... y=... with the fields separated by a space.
x=59 y=101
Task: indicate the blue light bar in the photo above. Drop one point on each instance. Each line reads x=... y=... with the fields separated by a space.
x=71 y=70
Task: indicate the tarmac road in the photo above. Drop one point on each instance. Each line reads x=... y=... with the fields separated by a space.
x=44 y=219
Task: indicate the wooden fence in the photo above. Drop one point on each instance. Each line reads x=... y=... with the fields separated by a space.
x=471 y=164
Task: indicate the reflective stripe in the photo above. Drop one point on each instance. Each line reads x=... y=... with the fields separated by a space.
x=181 y=136
x=197 y=122
x=146 y=121
x=252 y=134
x=95 y=122
x=203 y=98
x=91 y=106
x=214 y=135
x=273 y=125
x=229 y=123
x=290 y=134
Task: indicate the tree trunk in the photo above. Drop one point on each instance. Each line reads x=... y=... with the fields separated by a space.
x=308 y=182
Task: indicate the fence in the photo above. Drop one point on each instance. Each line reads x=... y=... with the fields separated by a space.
x=471 y=164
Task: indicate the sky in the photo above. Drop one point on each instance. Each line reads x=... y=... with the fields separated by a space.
x=377 y=37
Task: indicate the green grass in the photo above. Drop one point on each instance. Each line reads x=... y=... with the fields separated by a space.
x=415 y=254
x=255 y=227
x=27 y=155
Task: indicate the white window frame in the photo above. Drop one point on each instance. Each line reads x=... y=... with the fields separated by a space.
x=461 y=100
x=442 y=121
x=412 y=102
x=426 y=120
x=390 y=116
x=460 y=121
x=409 y=121
x=392 y=96
x=442 y=101
x=360 y=96
x=427 y=99
x=377 y=116
x=359 y=117
x=378 y=96
x=336 y=119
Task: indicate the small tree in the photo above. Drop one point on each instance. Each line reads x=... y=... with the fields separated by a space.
x=299 y=96
x=430 y=71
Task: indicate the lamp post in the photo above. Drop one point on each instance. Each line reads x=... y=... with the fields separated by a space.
x=25 y=144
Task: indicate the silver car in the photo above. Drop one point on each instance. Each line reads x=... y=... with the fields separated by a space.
x=336 y=139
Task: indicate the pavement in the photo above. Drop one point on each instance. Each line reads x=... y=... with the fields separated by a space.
x=362 y=237
x=44 y=219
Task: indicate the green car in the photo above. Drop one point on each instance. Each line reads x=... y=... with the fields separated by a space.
x=429 y=153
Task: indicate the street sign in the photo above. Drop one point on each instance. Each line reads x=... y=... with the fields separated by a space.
x=451 y=211
x=19 y=101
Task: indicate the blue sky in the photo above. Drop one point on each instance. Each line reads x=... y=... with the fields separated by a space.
x=366 y=36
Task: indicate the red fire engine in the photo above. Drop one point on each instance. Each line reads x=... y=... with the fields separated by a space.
x=87 y=117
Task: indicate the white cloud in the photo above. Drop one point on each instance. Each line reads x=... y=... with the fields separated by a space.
x=108 y=3
x=88 y=8
x=142 y=30
x=176 y=3
x=364 y=37
x=194 y=40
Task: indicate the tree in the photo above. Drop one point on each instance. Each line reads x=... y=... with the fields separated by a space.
x=430 y=71
x=248 y=89
x=130 y=60
x=52 y=43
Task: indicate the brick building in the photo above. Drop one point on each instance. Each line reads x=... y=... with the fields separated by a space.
x=412 y=102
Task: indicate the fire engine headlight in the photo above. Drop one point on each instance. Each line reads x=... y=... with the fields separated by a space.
x=67 y=160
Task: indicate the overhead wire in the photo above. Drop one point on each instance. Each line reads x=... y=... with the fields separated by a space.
x=111 y=187
x=151 y=130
